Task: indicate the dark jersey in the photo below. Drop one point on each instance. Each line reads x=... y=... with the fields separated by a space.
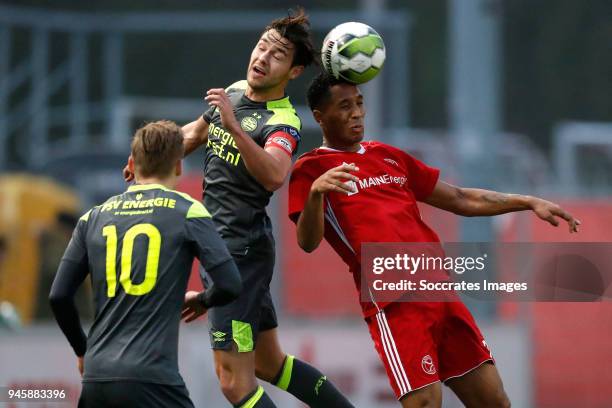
x=236 y=200
x=139 y=247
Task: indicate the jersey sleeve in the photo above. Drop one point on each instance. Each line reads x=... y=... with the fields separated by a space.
x=300 y=182
x=285 y=137
x=73 y=269
x=208 y=114
x=421 y=178
x=77 y=248
x=236 y=86
x=200 y=231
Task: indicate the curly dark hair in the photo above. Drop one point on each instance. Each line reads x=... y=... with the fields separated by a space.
x=296 y=28
x=318 y=91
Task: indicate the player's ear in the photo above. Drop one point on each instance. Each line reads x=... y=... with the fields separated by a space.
x=131 y=165
x=318 y=116
x=296 y=71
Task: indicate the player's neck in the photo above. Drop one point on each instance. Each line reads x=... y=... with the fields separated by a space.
x=169 y=182
x=263 y=95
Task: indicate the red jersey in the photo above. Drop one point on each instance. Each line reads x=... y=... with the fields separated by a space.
x=383 y=209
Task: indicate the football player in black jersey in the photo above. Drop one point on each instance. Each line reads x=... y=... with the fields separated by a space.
x=251 y=133
x=138 y=248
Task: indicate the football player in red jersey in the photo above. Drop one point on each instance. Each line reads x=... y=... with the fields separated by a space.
x=421 y=344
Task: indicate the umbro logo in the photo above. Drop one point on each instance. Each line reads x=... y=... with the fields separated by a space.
x=392 y=162
x=219 y=336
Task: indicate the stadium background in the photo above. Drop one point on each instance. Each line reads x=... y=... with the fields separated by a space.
x=510 y=95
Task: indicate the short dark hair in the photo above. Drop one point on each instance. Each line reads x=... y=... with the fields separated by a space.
x=156 y=147
x=318 y=92
x=296 y=28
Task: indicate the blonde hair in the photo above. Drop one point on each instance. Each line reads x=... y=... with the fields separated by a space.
x=156 y=147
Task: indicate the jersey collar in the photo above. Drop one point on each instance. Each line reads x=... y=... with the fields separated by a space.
x=360 y=151
x=283 y=102
x=141 y=187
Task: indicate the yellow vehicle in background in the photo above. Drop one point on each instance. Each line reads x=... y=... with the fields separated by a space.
x=37 y=216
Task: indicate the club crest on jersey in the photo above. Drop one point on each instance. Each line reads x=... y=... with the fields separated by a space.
x=428 y=365
x=248 y=123
x=353 y=185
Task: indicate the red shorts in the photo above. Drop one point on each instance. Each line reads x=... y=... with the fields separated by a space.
x=422 y=343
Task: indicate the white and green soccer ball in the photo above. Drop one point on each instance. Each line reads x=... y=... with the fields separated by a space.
x=354 y=52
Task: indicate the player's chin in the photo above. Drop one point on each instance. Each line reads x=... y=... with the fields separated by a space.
x=257 y=80
x=356 y=134
x=256 y=83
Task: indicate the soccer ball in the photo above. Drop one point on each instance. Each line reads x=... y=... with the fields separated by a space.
x=353 y=52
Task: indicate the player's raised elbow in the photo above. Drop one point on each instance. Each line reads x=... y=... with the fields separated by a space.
x=309 y=232
x=308 y=245
x=58 y=299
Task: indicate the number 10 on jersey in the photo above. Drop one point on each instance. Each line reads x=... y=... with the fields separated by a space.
x=154 y=249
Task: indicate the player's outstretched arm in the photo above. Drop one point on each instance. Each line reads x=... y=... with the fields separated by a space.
x=269 y=167
x=310 y=225
x=473 y=202
x=196 y=135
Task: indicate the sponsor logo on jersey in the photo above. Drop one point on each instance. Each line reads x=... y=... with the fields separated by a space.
x=380 y=180
x=138 y=204
x=248 y=124
x=428 y=365
x=220 y=141
x=217 y=134
x=375 y=181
